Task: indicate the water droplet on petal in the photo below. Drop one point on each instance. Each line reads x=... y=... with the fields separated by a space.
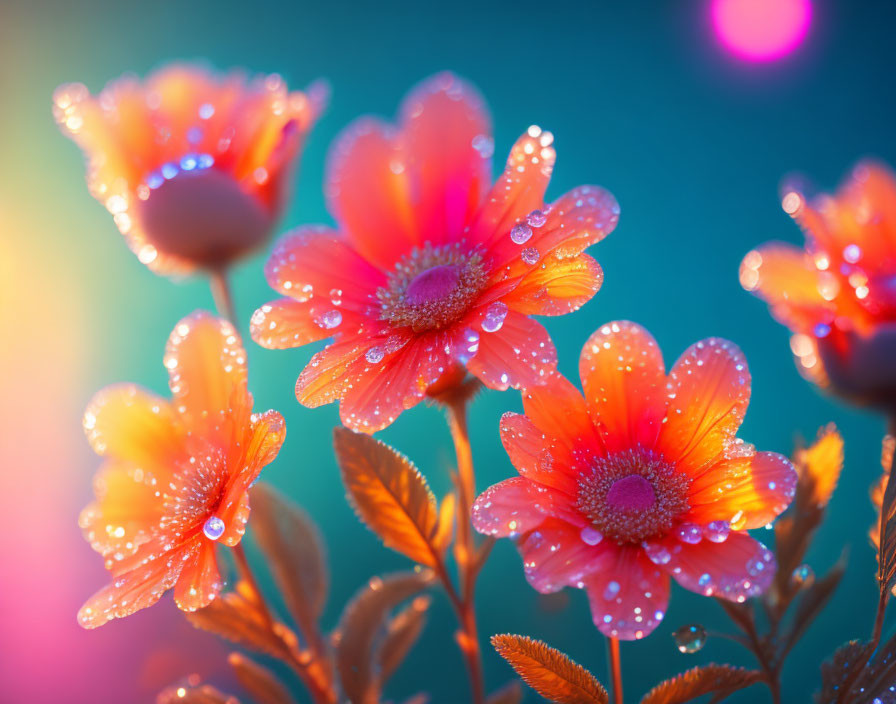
x=716 y=531
x=213 y=528
x=374 y=355
x=530 y=255
x=494 y=317
x=690 y=639
x=520 y=234
x=591 y=536
x=536 y=218
x=803 y=577
x=329 y=320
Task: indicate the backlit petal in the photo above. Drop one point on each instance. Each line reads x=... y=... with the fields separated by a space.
x=529 y=450
x=558 y=286
x=628 y=595
x=555 y=556
x=509 y=508
x=520 y=354
x=286 y=323
x=624 y=380
x=709 y=391
x=200 y=582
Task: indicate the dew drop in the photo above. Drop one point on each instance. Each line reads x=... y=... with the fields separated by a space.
x=374 y=355
x=213 y=528
x=591 y=536
x=494 y=317
x=802 y=577
x=520 y=234
x=691 y=638
x=536 y=218
x=530 y=255
x=716 y=531
x=329 y=320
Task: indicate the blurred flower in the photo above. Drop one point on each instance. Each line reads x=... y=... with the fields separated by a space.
x=176 y=477
x=838 y=295
x=433 y=271
x=193 y=166
x=641 y=479
x=819 y=466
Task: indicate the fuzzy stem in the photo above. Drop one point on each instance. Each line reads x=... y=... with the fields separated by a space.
x=465 y=549
x=308 y=669
x=614 y=664
x=219 y=282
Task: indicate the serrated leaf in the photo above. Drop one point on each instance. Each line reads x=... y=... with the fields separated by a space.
x=510 y=693
x=295 y=554
x=719 y=680
x=548 y=671
x=360 y=626
x=886 y=556
x=199 y=694
x=812 y=601
x=402 y=631
x=261 y=684
x=237 y=618
x=389 y=494
x=836 y=671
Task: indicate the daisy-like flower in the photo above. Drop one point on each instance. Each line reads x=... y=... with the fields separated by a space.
x=432 y=271
x=838 y=294
x=639 y=480
x=193 y=166
x=177 y=473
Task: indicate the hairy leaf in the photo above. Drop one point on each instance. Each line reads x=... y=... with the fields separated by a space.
x=812 y=601
x=389 y=495
x=237 y=618
x=549 y=672
x=510 y=693
x=362 y=624
x=258 y=681
x=295 y=554
x=886 y=556
x=719 y=680
x=190 y=694
x=402 y=632
x=836 y=671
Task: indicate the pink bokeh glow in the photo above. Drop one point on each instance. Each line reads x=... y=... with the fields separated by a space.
x=761 y=30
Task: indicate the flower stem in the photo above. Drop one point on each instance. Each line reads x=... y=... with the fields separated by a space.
x=219 y=281
x=465 y=549
x=307 y=667
x=614 y=664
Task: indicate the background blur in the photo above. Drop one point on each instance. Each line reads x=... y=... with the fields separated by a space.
x=642 y=99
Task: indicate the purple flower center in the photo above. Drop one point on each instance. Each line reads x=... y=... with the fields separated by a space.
x=432 y=285
x=631 y=493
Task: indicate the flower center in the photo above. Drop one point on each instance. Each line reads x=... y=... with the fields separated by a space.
x=432 y=287
x=632 y=495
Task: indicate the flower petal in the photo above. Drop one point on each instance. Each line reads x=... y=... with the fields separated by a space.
x=709 y=391
x=519 y=355
x=736 y=569
x=558 y=410
x=383 y=389
x=528 y=449
x=624 y=380
x=628 y=595
x=135 y=426
x=783 y=276
x=509 y=508
x=518 y=191
x=199 y=582
x=558 y=286
x=287 y=323
x=303 y=266
x=555 y=556
x=445 y=127
x=756 y=488
x=368 y=191
x=133 y=591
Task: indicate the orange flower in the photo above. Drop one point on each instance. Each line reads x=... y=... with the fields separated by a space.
x=838 y=295
x=176 y=477
x=641 y=479
x=194 y=167
x=433 y=271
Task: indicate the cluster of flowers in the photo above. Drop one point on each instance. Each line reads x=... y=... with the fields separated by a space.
x=430 y=278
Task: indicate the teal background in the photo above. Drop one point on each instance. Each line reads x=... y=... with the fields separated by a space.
x=641 y=100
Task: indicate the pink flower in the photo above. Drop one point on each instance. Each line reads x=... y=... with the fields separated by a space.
x=432 y=271
x=640 y=480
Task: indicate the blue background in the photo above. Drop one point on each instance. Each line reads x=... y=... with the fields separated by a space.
x=641 y=99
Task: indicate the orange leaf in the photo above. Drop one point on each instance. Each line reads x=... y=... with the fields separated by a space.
x=510 y=693
x=549 y=672
x=720 y=680
x=295 y=554
x=236 y=618
x=258 y=681
x=445 y=528
x=402 y=632
x=362 y=622
x=389 y=495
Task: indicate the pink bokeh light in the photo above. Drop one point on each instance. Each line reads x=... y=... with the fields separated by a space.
x=761 y=30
